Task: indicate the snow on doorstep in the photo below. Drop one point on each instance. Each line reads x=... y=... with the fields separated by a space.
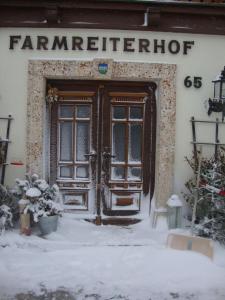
x=111 y=261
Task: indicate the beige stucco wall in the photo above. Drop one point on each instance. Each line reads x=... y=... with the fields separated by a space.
x=205 y=59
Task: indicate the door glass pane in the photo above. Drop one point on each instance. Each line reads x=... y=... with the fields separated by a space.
x=217 y=90
x=82 y=140
x=135 y=138
x=136 y=112
x=119 y=142
x=83 y=111
x=118 y=173
x=66 y=141
x=119 y=112
x=66 y=172
x=82 y=172
x=66 y=111
x=134 y=173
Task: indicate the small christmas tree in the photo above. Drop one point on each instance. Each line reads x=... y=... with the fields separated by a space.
x=210 y=213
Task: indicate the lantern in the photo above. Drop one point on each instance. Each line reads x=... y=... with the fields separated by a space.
x=217 y=104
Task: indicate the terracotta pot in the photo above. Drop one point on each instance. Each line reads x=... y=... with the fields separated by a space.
x=25 y=224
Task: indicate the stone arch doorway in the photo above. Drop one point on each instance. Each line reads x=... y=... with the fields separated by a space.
x=163 y=74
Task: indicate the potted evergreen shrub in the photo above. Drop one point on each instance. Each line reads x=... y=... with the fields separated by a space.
x=44 y=202
x=45 y=210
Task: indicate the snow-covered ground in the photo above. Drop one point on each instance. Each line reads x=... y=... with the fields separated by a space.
x=107 y=262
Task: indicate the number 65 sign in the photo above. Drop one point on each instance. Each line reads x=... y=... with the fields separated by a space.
x=195 y=81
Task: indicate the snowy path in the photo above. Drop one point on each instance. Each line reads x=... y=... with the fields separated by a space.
x=106 y=262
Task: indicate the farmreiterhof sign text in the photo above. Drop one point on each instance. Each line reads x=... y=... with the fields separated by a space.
x=95 y=43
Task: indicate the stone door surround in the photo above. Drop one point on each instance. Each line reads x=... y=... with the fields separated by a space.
x=163 y=74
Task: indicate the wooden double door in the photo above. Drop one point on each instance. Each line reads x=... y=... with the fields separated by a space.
x=102 y=145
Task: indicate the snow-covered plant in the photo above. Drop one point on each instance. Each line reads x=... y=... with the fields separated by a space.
x=210 y=214
x=8 y=208
x=5 y=218
x=44 y=200
x=22 y=186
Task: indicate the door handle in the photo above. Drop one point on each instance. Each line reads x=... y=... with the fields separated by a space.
x=92 y=154
x=106 y=154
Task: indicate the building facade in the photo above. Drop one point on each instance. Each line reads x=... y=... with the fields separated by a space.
x=102 y=94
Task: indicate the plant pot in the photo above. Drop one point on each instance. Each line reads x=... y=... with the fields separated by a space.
x=48 y=224
x=25 y=224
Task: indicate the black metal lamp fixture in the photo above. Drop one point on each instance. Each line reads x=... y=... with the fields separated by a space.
x=217 y=104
